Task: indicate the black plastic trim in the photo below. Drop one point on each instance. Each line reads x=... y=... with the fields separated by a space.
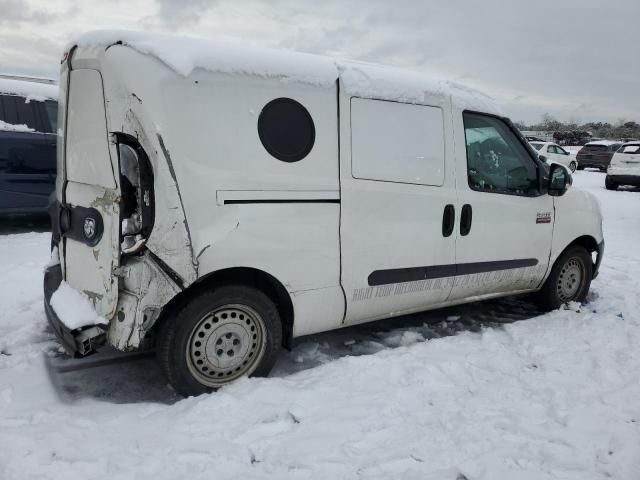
x=67 y=337
x=414 y=274
x=466 y=218
x=71 y=223
x=633 y=180
x=448 y=220
x=304 y=200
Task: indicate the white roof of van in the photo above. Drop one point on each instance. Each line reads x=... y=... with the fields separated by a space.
x=35 y=91
x=185 y=54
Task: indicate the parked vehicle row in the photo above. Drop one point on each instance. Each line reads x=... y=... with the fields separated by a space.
x=265 y=195
x=28 y=118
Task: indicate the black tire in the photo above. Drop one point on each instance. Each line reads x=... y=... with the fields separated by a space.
x=580 y=167
x=560 y=287
x=609 y=184
x=572 y=166
x=198 y=328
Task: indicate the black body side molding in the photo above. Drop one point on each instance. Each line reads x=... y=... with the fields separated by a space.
x=414 y=274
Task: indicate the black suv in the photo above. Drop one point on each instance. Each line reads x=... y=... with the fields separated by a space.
x=596 y=155
x=28 y=117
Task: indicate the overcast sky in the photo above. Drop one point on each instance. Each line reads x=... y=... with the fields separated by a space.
x=574 y=59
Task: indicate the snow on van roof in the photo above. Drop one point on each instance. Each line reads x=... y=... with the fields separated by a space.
x=185 y=54
x=38 y=92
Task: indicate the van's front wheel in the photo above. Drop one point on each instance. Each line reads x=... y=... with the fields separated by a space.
x=219 y=336
x=569 y=280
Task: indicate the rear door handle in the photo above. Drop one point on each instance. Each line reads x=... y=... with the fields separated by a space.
x=465 y=219
x=448 y=220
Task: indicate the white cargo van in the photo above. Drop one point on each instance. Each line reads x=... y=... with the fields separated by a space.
x=216 y=202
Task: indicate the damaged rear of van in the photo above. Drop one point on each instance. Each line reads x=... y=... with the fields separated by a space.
x=213 y=202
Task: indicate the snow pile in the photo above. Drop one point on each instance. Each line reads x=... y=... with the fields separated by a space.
x=9 y=127
x=35 y=91
x=552 y=397
x=185 y=54
x=74 y=308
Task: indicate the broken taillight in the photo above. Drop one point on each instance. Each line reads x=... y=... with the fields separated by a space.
x=136 y=204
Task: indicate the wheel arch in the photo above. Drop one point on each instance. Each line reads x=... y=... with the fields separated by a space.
x=590 y=244
x=247 y=276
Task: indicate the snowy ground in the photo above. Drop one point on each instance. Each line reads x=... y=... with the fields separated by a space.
x=487 y=391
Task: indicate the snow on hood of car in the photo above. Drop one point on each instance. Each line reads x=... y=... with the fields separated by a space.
x=32 y=91
x=185 y=54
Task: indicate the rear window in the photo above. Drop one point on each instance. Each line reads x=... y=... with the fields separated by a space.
x=595 y=148
x=630 y=149
x=537 y=146
x=40 y=116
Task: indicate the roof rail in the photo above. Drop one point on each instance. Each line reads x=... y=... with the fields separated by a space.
x=27 y=78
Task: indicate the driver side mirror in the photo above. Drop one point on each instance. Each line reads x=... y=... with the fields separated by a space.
x=559 y=180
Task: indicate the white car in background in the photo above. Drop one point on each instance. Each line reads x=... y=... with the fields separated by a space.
x=553 y=153
x=624 y=168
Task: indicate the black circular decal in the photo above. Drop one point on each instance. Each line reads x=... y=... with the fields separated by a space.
x=286 y=129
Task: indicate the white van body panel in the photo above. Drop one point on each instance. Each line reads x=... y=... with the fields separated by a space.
x=577 y=214
x=198 y=117
x=91 y=184
x=393 y=220
x=504 y=228
x=321 y=227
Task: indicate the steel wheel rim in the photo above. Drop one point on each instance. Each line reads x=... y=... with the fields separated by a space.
x=226 y=344
x=570 y=280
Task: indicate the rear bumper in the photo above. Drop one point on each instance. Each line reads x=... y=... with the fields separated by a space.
x=593 y=162
x=79 y=342
x=625 y=179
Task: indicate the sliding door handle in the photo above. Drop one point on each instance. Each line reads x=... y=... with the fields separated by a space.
x=448 y=220
x=465 y=219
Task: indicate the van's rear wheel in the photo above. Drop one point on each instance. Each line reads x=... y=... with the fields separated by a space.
x=569 y=280
x=219 y=336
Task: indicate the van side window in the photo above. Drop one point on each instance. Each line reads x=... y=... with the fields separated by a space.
x=497 y=162
x=397 y=142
